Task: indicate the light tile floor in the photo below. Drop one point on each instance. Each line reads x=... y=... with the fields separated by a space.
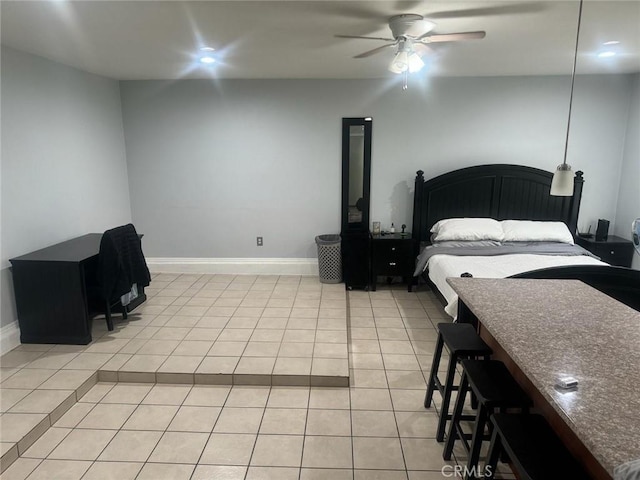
x=222 y=329
x=375 y=429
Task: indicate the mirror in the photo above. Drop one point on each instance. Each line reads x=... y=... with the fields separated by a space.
x=356 y=171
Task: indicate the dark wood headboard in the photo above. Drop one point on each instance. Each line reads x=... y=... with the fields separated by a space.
x=495 y=191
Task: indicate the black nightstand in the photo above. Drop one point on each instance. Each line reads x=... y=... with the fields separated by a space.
x=392 y=255
x=613 y=250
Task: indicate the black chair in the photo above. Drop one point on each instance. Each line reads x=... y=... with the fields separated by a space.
x=494 y=388
x=462 y=341
x=121 y=264
x=534 y=450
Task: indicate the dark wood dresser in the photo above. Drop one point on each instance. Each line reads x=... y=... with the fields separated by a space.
x=392 y=255
x=614 y=250
x=51 y=291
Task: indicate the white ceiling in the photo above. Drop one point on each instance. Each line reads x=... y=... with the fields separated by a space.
x=295 y=39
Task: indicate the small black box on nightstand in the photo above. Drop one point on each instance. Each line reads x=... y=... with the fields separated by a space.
x=602 y=232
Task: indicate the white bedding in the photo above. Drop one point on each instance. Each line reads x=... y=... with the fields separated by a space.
x=499 y=266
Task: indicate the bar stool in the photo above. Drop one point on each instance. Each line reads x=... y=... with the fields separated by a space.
x=536 y=453
x=463 y=342
x=494 y=388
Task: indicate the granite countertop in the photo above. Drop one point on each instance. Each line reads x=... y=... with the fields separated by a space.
x=552 y=328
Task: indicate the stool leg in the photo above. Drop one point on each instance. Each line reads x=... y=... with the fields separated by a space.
x=107 y=315
x=435 y=364
x=492 y=458
x=476 y=442
x=474 y=401
x=457 y=412
x=446 y=398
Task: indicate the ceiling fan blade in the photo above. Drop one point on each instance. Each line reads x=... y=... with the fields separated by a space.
x=366 y=38
x=374 y=51
x=505 y=9
x=453 y=37
x=357 y=10
x=407 y=5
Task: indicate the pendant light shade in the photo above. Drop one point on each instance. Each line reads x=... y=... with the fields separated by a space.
x=562 y=183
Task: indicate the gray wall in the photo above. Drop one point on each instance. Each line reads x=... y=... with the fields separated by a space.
x=629 y=191
x=214 y=164
x=64 y=169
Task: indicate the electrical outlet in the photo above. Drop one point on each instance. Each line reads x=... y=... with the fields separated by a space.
x=259 y=241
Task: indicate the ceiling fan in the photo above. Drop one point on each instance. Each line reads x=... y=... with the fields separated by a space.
x=411 y=34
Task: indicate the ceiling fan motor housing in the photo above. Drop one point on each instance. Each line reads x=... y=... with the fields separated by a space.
x=400 y=24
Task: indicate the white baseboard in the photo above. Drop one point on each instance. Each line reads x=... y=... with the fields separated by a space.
x=253 y=266
x=9 y=337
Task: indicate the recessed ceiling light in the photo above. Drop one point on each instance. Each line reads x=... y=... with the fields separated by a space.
x=606 y=54
x=612 y=42
x=206 y=56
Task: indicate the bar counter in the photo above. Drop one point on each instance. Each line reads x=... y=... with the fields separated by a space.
x=545 y=329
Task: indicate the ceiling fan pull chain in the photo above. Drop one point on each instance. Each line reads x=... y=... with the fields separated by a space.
x=405 y=79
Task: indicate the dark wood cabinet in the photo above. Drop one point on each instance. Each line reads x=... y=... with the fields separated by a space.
x=614 y=250
x=356 y=175
x=52 y=295
x=392 y=255
x=355 y=260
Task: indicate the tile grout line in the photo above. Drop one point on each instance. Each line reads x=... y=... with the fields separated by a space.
x=349 y=353
x=107 y=375
x=20 y=449
x=395 y=418
x=308 y=407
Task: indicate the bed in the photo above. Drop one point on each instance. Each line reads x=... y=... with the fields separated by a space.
x=501 y=193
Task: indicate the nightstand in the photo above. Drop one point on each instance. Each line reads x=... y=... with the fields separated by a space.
x=392 y=255
x=613 y=250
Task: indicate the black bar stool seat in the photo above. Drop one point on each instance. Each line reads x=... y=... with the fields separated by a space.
x=463 y=342
x=493 y=384
x=494 y=388
x=462 y=339
x=535 y=451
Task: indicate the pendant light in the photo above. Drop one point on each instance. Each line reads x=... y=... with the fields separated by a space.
x=562 y=183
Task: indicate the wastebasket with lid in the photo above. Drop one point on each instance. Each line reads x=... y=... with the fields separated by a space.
x=329 y=258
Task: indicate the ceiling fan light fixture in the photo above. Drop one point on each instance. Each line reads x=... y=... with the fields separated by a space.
x=415 y=63
x=400 y=62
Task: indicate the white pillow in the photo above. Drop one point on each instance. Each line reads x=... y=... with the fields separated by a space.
x=531 y=231
x=467 y=229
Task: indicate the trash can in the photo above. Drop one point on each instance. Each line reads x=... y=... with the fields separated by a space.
x=329 y=258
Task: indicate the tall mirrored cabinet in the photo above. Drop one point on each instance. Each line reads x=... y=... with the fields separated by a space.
x=356 y=174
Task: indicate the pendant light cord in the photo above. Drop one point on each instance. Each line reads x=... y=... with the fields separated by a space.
x=573 y=78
